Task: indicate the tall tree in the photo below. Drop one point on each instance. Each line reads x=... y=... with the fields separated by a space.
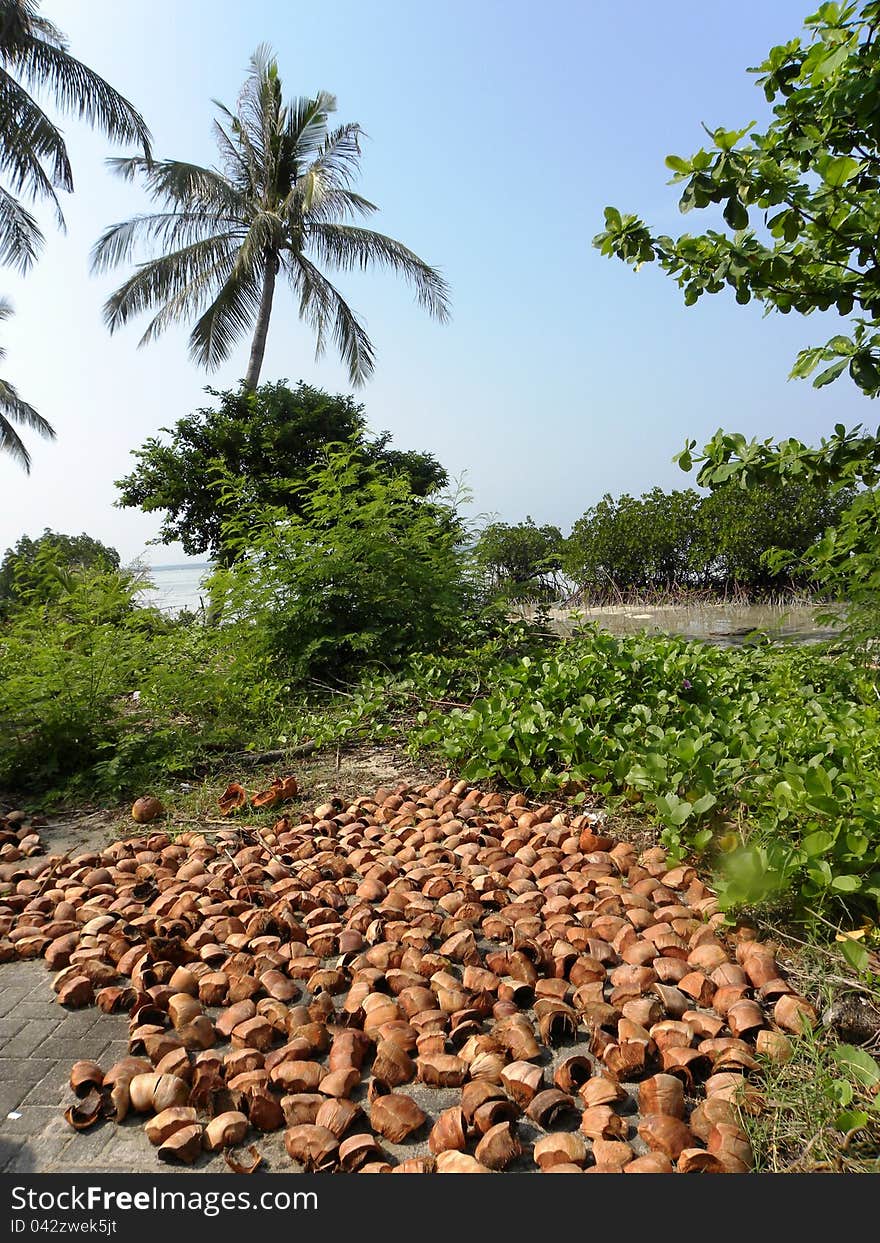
x=33 y=154
x=271 y=437
x=280 y=204
x=14 y=409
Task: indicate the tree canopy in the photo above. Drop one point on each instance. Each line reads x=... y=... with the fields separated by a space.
x=668 y=541
x=36 y=569
x=271 y=438
x=521 y=559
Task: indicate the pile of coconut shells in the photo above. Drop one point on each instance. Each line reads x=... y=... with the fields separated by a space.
x=426 y=980
x=19 y=837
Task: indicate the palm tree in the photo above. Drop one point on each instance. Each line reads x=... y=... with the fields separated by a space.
x=14 y=410
x=280 y=203
x=33 y=154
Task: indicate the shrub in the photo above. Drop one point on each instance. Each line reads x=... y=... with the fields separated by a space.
x=366 y=573
x=668 y=541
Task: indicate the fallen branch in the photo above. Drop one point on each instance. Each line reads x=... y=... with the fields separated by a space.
x=272 y=757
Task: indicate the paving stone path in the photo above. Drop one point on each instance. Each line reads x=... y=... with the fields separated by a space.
x=39 y=1042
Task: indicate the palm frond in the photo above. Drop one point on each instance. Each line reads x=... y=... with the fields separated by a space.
x=236 y=166
x=306 y=127
x=335 y=203
x=182 y=280
x=229 y=317
x=176 y=181
x=20 y=19
x=21 y=239
x=14 y=410
x=347 y=247
x=27 y=137
x=175 y=229
x=325 y=310
x=243 y=157
x=338 y=158
x=76 y=88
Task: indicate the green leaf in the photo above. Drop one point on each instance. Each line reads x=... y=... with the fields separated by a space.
x=806 y=363
x=704 y=803
x=837 y=170
x=846 y=884
x=817 y=843
x=735 y=214
x=678 y=165
x=827 y=63
x=840 y=1091
x=851 y=1120
x=680 y=812
x=727 y=139
x=858 y=1065
x=830 y=373
x=856 y=955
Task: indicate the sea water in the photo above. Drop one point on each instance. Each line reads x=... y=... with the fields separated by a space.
x=176 y=587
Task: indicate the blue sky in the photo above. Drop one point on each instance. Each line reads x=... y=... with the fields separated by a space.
x=498 y=132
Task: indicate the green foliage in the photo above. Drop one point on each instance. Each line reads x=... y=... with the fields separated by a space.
x=844 y=562
x=68 y=665
x=801 y=200
x=39 y=570
x=365 y=571
x=99 y=696
x=520 y=561
x=269 y=436
x=845 y=459
x=780 y=744
x=667 y=541
x=635 y=544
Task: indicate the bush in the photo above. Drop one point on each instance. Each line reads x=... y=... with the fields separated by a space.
x=268 y=436
x=366 y=573
x=68 y=665
x=99 y=695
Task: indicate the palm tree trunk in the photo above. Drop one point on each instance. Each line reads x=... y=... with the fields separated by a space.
x=258 y=346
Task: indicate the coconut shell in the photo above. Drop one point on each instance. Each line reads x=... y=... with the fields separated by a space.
x=314 y=1147
x=165 y=1123
x=183 y=1145
x=225 y=1131
x=396 y=1116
